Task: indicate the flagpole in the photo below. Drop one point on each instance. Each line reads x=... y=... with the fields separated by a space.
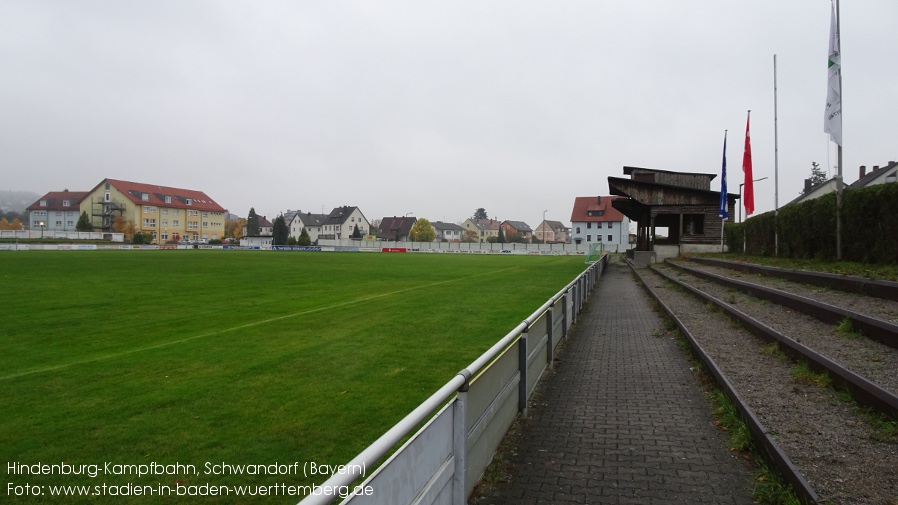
x=724 y=197
x=841 y=140
x=776 y=170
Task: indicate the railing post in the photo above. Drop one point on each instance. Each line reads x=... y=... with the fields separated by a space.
x=564 y=323
x=522 y=366
x=550 y=351
x=460 y=441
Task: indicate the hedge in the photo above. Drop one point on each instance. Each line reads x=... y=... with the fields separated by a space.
x=807 y=230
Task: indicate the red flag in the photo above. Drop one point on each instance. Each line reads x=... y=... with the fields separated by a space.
x=748 y=198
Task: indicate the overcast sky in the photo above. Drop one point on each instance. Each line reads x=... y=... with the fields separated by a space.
x=433 y=108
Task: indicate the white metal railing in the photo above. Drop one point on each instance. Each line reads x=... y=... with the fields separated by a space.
x=466 y=418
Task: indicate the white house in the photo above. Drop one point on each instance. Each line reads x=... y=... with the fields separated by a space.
x=313 y=223
x=57 y=210
x=448 y=232
x=340 y=223
x=879 y=175
x=595 y=221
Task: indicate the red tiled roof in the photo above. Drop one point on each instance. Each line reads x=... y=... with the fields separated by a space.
x=157 y=194
x=583 y=205
x=54 y=200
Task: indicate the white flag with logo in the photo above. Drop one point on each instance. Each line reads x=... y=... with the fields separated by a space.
x=832 y=121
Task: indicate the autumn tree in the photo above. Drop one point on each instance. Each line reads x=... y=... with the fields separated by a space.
x=125 y=227
x=84 y=223
x=279 y=230
x=4 y=224
x=422 y=231
x=15 y=225
x=238 y=228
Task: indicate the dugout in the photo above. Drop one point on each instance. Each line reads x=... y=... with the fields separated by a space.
x=681 y=205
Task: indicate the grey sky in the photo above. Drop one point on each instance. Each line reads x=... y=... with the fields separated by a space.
x=433 y=108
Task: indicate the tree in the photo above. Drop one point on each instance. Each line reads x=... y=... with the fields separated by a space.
x=84 y=223
x=356 y=233
x=422 y=231
x=279 y=230
x=126 y=228
x=291 y=240
x=480 y=214
x=239 y=227
x=231 y=227
x=15 y=225
x=252 y=224
x=4 y=224
x=501 y=238
x=818 y=176
x=140 y=238
x=304 y=238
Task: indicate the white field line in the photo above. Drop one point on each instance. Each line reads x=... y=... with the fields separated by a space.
x=242 y=326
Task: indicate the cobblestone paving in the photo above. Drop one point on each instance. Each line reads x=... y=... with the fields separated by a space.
x=623 y=419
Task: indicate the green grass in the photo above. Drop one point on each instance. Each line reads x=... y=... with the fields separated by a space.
x=802 y=372
x=238 y=357
x=870 y=271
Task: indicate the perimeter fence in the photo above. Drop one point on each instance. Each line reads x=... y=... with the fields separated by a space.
x=465 y=420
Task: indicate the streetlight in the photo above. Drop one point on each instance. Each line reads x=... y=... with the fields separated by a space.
x=42 y=224
x=740 y=196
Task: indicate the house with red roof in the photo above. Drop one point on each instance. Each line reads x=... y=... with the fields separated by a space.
x=57 y=210
x=163 y=212
x=595 y=221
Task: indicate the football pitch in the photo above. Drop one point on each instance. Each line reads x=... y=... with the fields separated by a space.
x=192 y=368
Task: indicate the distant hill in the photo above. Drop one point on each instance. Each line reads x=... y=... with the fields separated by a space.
x=16 y=201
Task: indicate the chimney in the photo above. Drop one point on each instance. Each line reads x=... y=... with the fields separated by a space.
x=807 y=186
x=875 y=168
x=599 y=200
x=862 y=172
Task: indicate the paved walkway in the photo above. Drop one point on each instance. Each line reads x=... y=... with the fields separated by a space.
x=623 y=418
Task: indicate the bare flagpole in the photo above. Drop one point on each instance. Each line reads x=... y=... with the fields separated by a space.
x=776 y=170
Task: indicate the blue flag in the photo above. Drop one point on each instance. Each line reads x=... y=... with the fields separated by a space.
x=723 y=181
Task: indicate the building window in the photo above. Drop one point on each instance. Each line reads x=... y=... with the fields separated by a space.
x=106 y=197
x=43 y=203
x=193 y=213
x=578 y=230
x=176 y=223
x=165 y=222
x=205 y=224
x=167 y=199
x=165 y=211
x=165 y=235
x=70 y=223
x=189 y=201
x=589 y=225
x=58 y=224
x=145 y=197
x=589 y=238
x=192 y=225
x=66 y=203
x=148 y=209
x=598 y=238
x=149 y=223
x=610 y=239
